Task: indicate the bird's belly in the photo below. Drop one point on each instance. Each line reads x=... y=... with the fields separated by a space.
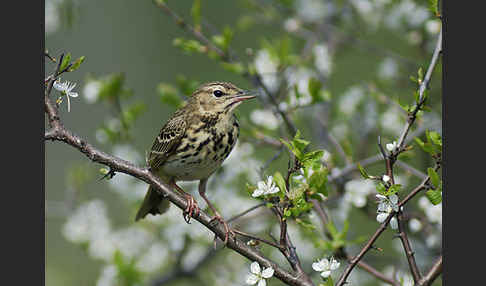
x=190 y=169
x=199 y=163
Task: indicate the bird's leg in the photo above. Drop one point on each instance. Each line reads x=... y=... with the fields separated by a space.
x=217 y=216
x=192 y=209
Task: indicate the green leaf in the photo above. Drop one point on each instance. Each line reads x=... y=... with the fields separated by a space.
x=76 y=64
x=434 y=196
x=434 y=177
x=434 y=137
x=65 y=62
x=329 y=281
x=318 y=180
x=393 y=189
x=314 y=88
x=363 y=172
x=433 y=7
x=305 y=223
x=237 y=68
x=111 y=87
x=196 y=14
x=380 y=188
x=168 y=95
x=133 y=111
x=127 y=271
x=420 y=74
x=279 y=181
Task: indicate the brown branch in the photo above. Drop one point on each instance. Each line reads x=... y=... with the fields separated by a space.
x=421 y=101
x=59 y=133
x=365 y=266
x=433 y=273
x=342 y=280
x=408 y=249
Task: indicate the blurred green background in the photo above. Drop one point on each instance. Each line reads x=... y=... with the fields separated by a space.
x=135 y=37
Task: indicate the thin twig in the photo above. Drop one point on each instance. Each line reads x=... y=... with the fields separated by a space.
x=433 y=273
x=408 y=249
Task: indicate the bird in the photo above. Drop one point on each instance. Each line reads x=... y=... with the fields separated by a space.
x=193 y=144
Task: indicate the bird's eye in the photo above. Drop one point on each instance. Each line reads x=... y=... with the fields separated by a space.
x=218 y=93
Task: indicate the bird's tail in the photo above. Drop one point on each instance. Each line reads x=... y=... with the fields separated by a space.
x=153 y=203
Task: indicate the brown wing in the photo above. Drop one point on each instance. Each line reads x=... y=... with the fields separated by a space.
x=166 y=143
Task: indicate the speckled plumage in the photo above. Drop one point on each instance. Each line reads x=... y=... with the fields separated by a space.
x=195 y=141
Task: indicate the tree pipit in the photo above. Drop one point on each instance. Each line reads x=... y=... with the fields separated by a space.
x=193 y=144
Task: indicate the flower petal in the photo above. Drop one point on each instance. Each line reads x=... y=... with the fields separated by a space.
x=257 y=193
x=262 y=282
x=255 y=268
x=326 y=274
x=394 y=223
x=317 y=266
x=72 y=94
x=393 y=199
x=252 y=279
x=267 y=272
x=334 y=264
x=381 y=217
x=380 y=197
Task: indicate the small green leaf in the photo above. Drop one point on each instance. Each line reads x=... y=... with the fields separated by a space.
x=168 y=95
x=314 y=88
x=420 y=74
x=363 y=172
x=76 y=64
x=380 y=188
x=393 y=189
x=65 y=62
x=196 y=14
x=434 y=177
x=279 y=181
x=237 y=68
x=434 y=196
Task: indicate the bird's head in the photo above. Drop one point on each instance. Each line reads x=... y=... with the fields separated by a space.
x=219 y=97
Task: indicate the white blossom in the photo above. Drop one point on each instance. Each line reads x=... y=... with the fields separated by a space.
x=392 y=121
x=350 y=100
x=267 y=66
x=391 y=146
x=298 y=77
x=386 y=178
x=414 y=225
x=108 y=276
x=388 y=68
x=265 y=118
x=414 y=37
x=292 y=25
x=66 y=89
x=432 y=26
x=91 y=91
x=322 y=59
x=311 y=10
x=325 y=266
x=88 y=222
x=52 y=19
x=433 y=212
x=386 y=205
x=266 y=188
x=357 y=191
x=258 y=276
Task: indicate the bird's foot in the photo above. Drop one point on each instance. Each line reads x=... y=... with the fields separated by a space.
x=192 y=209
x=227 y=229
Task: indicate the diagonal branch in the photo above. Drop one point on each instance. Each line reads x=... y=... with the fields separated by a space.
x=433 y=273
x=59 y=133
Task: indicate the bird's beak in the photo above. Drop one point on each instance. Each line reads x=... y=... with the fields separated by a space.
x=245 y=95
